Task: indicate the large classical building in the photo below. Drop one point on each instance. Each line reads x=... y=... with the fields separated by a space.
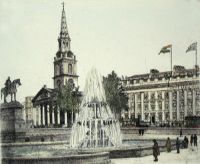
x=164 y=97
x=65 y=71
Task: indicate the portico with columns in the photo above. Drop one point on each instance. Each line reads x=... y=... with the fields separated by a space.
x=160 y=99
x=47 y=114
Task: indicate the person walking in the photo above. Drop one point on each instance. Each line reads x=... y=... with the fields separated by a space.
x=156 y=151
x=195 y=140
x=139 y=131
x=181 y=132
x=168 y=145
x=191 y=139
x=142 y=131
x=186 y=142
x=178 y=145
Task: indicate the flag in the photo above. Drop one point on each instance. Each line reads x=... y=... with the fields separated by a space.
x=165 y=49
x=192 y=47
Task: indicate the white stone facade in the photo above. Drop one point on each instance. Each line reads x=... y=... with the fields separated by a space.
x=158 y=97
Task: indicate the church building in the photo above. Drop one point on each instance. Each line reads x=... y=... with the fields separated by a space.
x=65 y=71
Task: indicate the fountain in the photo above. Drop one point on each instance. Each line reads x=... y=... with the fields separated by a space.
x=95 y=136
x=95 y=125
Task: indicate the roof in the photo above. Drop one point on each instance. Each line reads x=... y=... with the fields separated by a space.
x=43 y=91
x=154 y=73
x=48 y=95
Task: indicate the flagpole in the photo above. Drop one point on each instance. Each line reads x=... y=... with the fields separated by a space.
x=170 y=65
x=196 y=59
x=171 y=60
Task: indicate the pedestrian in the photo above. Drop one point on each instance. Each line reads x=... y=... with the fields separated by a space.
x=168 y=145
x=195 y=140
x=178 y=145
x=186 y=142
x=191 y=139
x=139 y=131
x=156 y=151
x=181 y=132
x=142 y=131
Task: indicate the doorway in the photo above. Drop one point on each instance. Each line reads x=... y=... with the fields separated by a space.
x=153 y=121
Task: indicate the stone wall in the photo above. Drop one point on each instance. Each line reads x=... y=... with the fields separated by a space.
x=161 y=130
x=97 y=158
x=136 y=152
x=48 y=134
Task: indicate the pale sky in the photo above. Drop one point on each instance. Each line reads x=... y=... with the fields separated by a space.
x=120 y=35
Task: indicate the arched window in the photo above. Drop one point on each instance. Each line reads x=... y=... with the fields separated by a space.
x=70 y=68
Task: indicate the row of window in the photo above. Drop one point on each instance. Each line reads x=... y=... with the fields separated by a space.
x=69 y=81
x=59 y=69
x=151 y=96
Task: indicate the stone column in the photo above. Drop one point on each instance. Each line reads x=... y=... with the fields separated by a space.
x=156 y=101
x=65 y=118
x=129 y=113
x=136 y=106
x=177 y=105
x=149 y=98
x=170 y=106
x=156 y=117
x=194 y=102
x=35 y=116
x=163 y=116
x=129 y=105
x=53 y=116
x=43 y=115
x=156 y=106
x=185 y=102
x=58 y=116
x=163 y=106
x=142 y=105
x=149 y=106
x=48 y=116
x=39 y=115
x=149 y=117
x=72 y=117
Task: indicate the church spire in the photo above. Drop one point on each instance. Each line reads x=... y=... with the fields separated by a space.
x=64 y=39
x=65 y=64
x=63 y=29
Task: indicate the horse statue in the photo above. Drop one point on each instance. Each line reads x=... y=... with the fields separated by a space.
x=10 y=89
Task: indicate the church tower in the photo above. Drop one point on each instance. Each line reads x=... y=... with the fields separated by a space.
x=65 y=63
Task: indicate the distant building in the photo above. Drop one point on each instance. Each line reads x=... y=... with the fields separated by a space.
x=65 y=71
x=30 y=115
x=164 y=97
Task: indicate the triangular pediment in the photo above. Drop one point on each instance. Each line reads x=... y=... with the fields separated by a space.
x=43 y=93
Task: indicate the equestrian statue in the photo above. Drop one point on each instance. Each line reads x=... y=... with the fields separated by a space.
x=10 y=89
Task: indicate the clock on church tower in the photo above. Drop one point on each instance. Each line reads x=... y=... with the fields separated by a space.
x=65 y=63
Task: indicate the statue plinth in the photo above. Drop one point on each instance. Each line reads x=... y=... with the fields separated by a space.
x=12 y=125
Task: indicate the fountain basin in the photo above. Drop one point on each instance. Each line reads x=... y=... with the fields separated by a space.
x=49 y=153
x=132 y=148
x=98 y=158
x=60 y=152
